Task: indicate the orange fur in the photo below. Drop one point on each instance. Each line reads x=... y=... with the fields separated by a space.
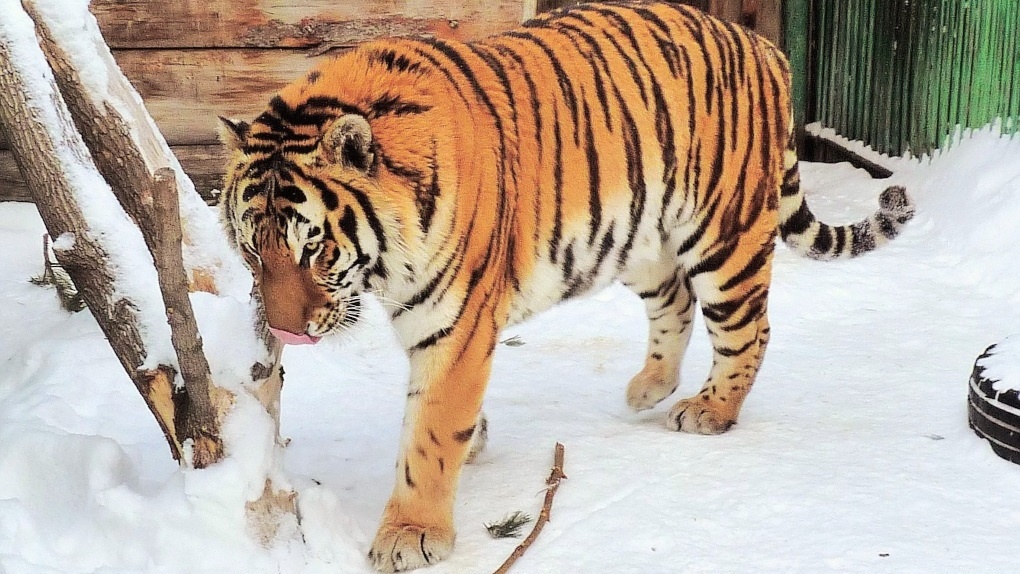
x=477 y=184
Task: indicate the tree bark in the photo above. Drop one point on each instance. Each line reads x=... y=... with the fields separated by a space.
x=135 y=165
x=86 y=260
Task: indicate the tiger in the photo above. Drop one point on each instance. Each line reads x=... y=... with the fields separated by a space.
x=471 y=185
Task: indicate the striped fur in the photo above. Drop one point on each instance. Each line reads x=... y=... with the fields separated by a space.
x=473 y=185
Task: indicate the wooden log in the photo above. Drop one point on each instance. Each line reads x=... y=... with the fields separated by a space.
x=204 y=163
x=304 y=24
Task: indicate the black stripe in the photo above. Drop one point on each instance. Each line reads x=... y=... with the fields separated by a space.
x=594 y=55
x=719 y=312
x=445 y=72
x=462 y=436
x=329 y=198
x=253 y=189
x=328 y=104
x=562 y=78
x=557 y=231
x=432 y=339
x=465 y=69
x=568 y=261
x=635 y=179
x=349 y=227
x=368 y=210
x=799 y=222
x=301 y=116
x=394 y=61
x=863 y=238
x=500 y=72
x=719 y=161
x=713 y=262
x=605 y=246
x=840 y=233
x=426 y=292
x=594 y=180
x=291 y=193
x=413 y=175
x=699 y=232
x=791 y=182
x=300 y=148
x=753 y=266
x=886 y=225
x=728 y=352
x=274 y=123
x=767 y=112
x=668 y=49
x=627 y=32
x=426 y=199
x=260 y=166
x=823 y=240
x=753 y=306
x=390 y=104
x=663 y=123
x=536 y=104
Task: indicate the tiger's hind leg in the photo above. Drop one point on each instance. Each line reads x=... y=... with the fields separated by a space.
x=733 y=285
x=670 y=307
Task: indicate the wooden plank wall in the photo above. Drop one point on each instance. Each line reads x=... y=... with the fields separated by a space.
x=193 y=60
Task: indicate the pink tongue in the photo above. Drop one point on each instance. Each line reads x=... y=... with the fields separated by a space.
x=293 y=338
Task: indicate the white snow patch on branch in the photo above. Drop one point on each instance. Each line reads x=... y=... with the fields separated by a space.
x=65 y=242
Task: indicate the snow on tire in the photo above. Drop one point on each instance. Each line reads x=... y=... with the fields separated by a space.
x=993 y=403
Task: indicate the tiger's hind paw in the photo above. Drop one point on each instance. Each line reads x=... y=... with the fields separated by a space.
x=700 y=416
x=409 y=546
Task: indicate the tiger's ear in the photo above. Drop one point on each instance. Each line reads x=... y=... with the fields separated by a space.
x=348 y=141
x=233 y=133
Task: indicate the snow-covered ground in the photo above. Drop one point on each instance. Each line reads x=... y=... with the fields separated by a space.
x=852 y=454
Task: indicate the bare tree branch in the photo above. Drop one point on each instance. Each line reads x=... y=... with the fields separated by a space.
x=196 y=417
x=552 y=484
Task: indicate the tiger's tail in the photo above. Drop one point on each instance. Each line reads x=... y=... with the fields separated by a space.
x=808 y=236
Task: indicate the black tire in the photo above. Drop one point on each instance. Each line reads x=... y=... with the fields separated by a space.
x=992 y=414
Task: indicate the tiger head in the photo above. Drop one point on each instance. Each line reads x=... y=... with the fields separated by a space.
x=303 y=208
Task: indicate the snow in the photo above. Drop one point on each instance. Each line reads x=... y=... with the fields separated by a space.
x=1002 y=366
x=852 y=454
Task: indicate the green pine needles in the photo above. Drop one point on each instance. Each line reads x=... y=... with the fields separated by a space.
x=510 y=526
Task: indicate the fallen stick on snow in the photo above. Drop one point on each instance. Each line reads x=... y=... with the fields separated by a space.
x=552 y=483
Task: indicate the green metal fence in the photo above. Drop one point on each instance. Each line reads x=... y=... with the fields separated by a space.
x=900 y=75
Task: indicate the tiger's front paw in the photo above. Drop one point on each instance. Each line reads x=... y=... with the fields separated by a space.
x=648 y=388
x=408 y=546
x=701 y=416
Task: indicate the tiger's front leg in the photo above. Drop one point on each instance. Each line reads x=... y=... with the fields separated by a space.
x=442 y=428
